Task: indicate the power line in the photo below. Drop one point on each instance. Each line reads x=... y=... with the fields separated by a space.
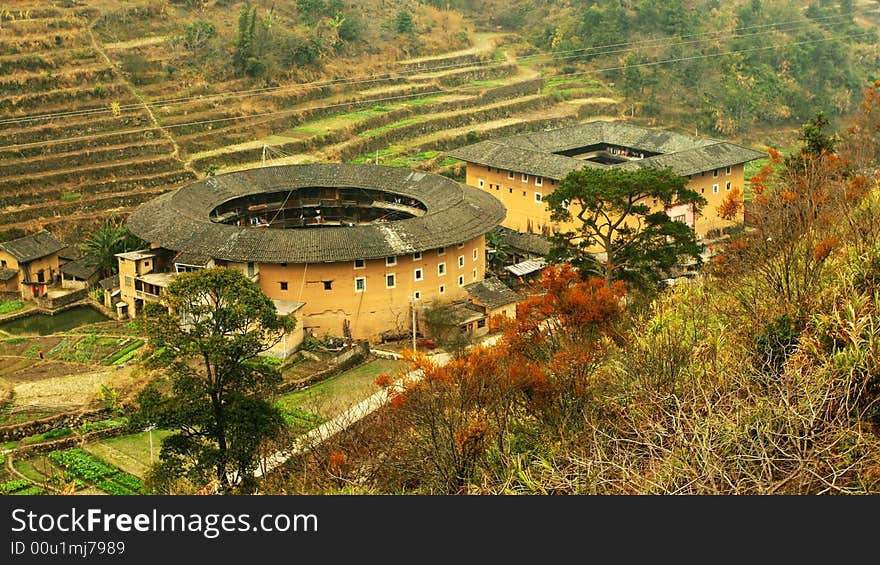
x=407 y=96
x=596 y=51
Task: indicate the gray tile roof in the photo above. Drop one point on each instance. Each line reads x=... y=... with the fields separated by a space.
x=192 y=259
x=70 y=253
x=180 y=220
x=492 y=293
x=466 y=313
x=26 y=249
x=7 y=274
x=109 y=283
x=536 y=153
x=533 y=243
x=81 y=268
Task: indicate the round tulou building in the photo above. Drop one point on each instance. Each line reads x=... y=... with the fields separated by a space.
x=347 y=248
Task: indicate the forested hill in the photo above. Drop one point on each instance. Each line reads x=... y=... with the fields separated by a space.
x=722 y=67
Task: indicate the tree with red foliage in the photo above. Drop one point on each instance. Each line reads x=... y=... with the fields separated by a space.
x=796 y=200
x=540 y=376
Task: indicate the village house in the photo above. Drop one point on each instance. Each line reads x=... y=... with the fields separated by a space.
x=350 y=250
x=493 y=298
x=522 y=170
x=79 y=273
x=30 y=265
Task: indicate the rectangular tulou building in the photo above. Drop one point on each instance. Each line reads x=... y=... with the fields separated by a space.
x=522 y=170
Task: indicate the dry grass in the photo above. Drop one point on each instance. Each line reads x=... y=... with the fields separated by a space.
x=131 y=453
x=65 y=391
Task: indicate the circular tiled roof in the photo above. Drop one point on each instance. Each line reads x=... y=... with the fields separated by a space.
x=180 y=220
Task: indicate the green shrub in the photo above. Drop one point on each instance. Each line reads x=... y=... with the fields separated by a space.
x=111 y=487
x=123 y=354
x=776 y=341
x=196 y=34
x=103 y=425
x=129 y=481
x=58 y=347
x=83 y=464
x=9 y=306
x=297 y=419
x=51 y=434
x=13 y=485
x=13 y=340
x=31 y=491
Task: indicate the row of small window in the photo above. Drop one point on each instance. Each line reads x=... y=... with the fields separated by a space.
x=360 y=283
x=727 y=171
x=539 y=197
x=716 y=189
x=392 y=261
x=328 y=285
x=539 y=181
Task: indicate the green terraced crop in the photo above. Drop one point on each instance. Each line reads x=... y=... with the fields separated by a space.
x=83 y=464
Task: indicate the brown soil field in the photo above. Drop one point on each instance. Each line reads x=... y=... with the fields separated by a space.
x=18 y=347
x=42 y=370
x=67 y=391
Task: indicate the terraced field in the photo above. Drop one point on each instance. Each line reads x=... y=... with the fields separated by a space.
x=76 y=142
x=83 y=136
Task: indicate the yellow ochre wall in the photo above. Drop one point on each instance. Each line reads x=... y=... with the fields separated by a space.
x=128 y=271
x=49 y=264
x=377 y=308
x=12 y=284
x=11 y=263
x=526 y=214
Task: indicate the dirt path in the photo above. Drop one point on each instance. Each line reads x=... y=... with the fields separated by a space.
x=354 y=414
x=139 y=42
x=17 y=474
x=483 y=42
x=332 y=427
x=96 y=45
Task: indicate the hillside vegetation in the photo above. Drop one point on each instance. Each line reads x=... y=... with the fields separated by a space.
x=106 y=104
x=722 y=67
x=759 y=377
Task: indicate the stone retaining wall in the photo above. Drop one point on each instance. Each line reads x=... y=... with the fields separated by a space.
x=73 y=440
x=64 y=300
x=16 y=432
x=347 y=360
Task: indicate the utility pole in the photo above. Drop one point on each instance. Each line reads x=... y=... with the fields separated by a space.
x=413 y=302
x=150 y=429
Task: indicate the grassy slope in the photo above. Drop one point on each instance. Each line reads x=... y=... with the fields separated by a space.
x=332 y=396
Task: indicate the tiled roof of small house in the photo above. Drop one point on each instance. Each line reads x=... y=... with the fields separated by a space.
x=191 y=259
x=109 y=283
x=34 y=246
x=82 y=268
x=539 y=153
x=492 y=293
x=465 y=313
x=7 y=274
x=70 y=253
x=533 y=243
x=181 y=220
